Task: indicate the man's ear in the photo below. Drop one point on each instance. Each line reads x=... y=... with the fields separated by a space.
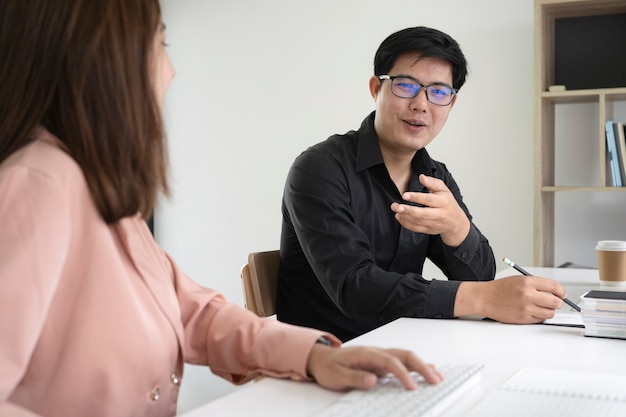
x=375 y=84
x=453 y=101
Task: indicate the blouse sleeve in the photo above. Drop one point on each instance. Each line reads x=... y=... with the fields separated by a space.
x=34 y=225
x=237 y=344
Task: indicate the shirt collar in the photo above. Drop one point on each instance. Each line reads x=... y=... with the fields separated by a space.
x=368 y=151
x=369 y=154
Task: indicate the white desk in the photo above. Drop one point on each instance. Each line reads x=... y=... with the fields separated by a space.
x=502 y=348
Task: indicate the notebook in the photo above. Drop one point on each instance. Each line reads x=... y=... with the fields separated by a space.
x=543 y=392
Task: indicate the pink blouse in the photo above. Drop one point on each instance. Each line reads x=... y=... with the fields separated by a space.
x=96 y=319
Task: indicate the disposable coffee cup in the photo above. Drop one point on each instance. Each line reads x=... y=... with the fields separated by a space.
x=612 y=264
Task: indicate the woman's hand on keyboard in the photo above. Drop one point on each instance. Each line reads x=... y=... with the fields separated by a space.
x=359 y=367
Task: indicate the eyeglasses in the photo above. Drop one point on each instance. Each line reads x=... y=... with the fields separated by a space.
x=407 y=87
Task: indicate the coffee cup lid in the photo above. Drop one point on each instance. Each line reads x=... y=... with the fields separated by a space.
x=611 y=245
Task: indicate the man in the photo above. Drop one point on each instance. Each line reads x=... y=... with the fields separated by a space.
x=362 y=211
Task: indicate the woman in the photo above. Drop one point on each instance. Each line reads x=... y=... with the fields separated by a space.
x=95 y=318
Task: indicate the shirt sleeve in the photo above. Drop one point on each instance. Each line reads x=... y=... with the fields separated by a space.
x=34 y=224
x=237 y=344
x=473 y=260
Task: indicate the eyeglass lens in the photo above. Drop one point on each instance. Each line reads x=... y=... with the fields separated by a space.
x=408 y=88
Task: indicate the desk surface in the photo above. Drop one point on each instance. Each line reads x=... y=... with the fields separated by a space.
x=502 y=348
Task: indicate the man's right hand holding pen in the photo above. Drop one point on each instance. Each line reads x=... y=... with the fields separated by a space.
x=524 y=272
x=519 y=299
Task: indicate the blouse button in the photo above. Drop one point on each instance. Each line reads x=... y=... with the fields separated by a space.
x=175 y=379
x=155 y=394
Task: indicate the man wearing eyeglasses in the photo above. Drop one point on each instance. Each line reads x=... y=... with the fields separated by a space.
x=362 y=211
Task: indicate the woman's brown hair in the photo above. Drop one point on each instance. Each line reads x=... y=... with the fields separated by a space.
x=82 y=69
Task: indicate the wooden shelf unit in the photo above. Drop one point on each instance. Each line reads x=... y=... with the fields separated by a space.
x=546 y=12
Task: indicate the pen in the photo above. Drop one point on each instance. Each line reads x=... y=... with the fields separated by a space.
x=525 y=272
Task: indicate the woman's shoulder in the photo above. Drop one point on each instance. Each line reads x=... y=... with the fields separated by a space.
x=43 y=173
x=44 y=158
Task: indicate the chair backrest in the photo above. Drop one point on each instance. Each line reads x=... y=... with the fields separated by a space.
x=259 y=280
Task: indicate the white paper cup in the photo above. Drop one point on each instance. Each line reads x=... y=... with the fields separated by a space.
x=612 y=264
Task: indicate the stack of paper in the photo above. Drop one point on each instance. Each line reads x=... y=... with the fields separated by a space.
x=604 y=314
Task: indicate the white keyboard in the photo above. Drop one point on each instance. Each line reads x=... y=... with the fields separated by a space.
x=389 y=398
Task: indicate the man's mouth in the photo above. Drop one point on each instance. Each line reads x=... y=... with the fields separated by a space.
x=415 y=123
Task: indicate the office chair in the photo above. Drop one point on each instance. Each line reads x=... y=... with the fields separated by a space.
x=259 y=279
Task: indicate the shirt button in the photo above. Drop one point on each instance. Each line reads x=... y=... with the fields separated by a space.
x=155 y=394
x=464 y=255
x=175 y=379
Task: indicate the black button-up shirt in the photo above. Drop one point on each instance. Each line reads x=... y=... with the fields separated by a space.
x=347 y=265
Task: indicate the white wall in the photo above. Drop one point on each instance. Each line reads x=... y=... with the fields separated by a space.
x=259 y=81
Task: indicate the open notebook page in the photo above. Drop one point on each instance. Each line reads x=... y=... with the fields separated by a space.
x=542 y=392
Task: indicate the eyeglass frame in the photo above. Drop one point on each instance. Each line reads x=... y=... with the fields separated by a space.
x=454 y=91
